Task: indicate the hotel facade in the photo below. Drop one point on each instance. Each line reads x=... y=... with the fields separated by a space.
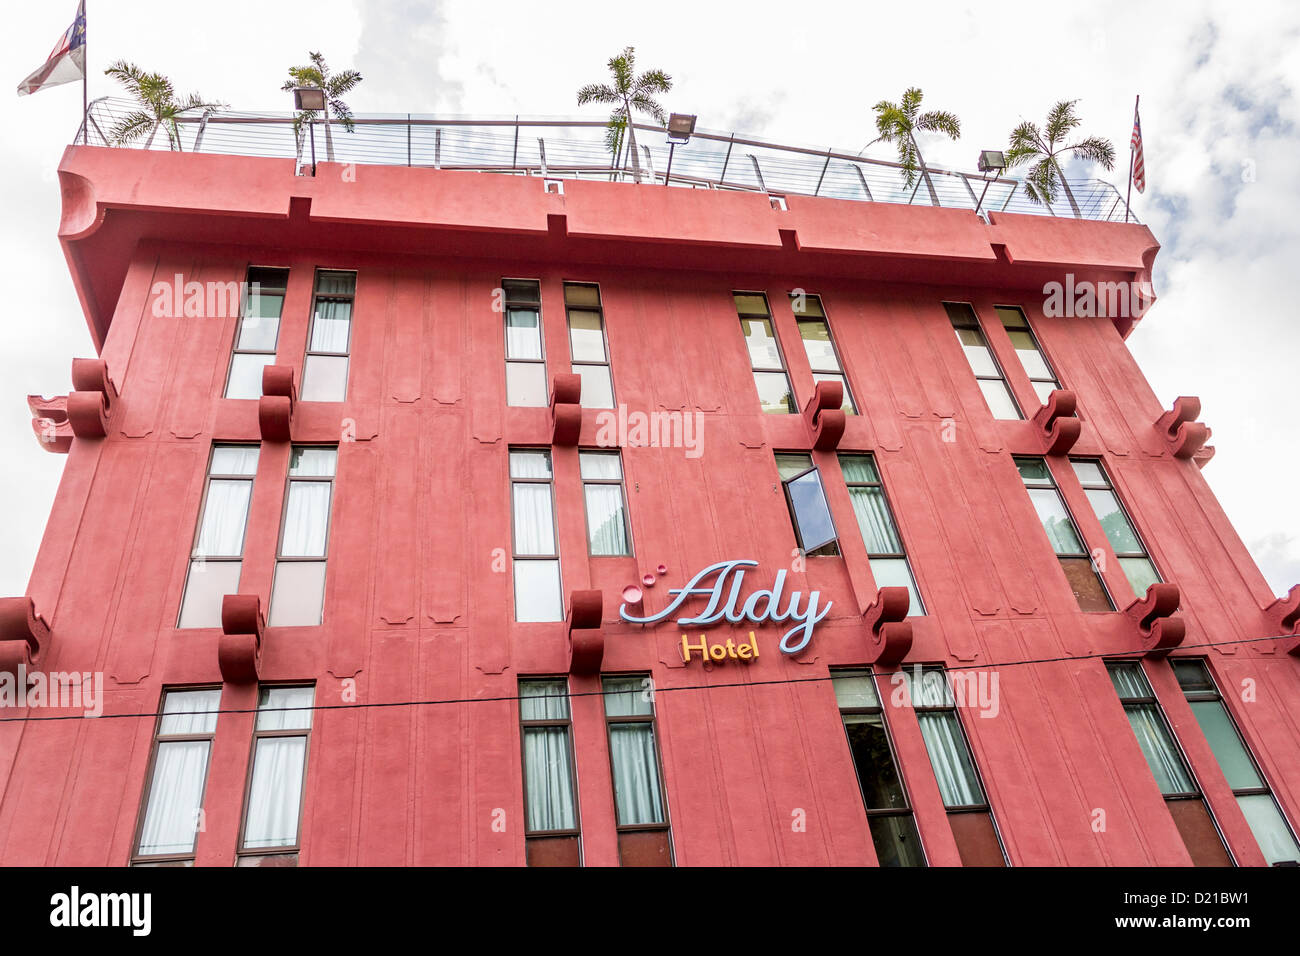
x=423 y=515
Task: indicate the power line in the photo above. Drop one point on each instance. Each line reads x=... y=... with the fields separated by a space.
x=654 y=689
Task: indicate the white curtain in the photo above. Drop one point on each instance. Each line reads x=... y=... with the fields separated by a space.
x=190 y=712
x=605 y=525
x=1162 y=757
x=549 y=779
x=534 y=529
x=329 y=332
x=224 y=514
x=175 y=797
x=636 y=774
x=874 y=520
x=950 y=758
x=273 y=708
x=523 y=335
x=309 y=462
x=306 y=519
x=234 y=460
x=276 y=792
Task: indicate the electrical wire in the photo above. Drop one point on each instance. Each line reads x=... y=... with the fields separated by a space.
x=652 y=687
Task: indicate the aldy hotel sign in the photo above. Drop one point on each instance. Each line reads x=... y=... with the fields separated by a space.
x=722 y=584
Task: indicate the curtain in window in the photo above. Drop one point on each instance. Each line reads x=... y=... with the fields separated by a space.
x=1129 y=681
x=872 y=512
x=273 y=709
x=308 y=462
x=534 y=529
x=234 y=460
x=627 y=697
x=605 y=523
x=224 y=515
x=175 y=795
x=275 y=793
x=549 y=779
x=329 y=332
x=336 y=283
x=636 y=774
x=950 y=758
x=306 y=519
x=523 y=335
x=1162 y=757
x=1056 y=522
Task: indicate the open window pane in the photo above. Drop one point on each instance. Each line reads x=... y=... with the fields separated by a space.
x=275 y=794
x=537 y=591
x=297 y=594
x=812 y=516
x=325 y=378
x=205 y=586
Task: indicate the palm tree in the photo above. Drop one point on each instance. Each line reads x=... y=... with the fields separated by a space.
x=629 y=92
x=317 y=74
x=1028 y=142
x=159 y=106
x=900 y=122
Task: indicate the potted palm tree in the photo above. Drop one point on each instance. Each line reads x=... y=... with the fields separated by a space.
x=1043 y=147
x=900 y=122
x=158 y=106
x=626 y=93
x=317 y=74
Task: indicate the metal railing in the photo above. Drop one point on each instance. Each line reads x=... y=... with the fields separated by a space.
x=571 y=148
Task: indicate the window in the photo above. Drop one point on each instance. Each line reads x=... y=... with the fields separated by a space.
x=814 y=531
x=1173 y=775
x=178 y=776
x=1064 y=536
x=889 y=564
x=258 y=332
x=1275 y=838
x=550 y=807
x=587 y=344
x=969 y=813
x=298 y=593
x=325 y=374
x=770 y=378
x=823 y=357
x=602 y=487
x=218 y=552
x=537 y=558
x=988 y=374
x=1030 y=353
x=273 y=804
x=525 y=358
x=639 y=802
x=889 y=814
x=1121 y=534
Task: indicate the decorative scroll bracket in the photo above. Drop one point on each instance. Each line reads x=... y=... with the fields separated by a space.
x=275 y=407
x=93 y=400
x=1284 y=616
x=23 y=634
x=1058 y=428
x=1185 y=436
x=566 y=408
x=889 y=633
x=51 y=425
x=239 y=651
x=586 y=639
x=825 y=415
x=1158 y=630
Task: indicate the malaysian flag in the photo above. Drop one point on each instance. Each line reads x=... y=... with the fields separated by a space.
x=1135 y=144
x=66 y=62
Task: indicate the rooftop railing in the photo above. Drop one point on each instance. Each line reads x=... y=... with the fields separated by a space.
x=570 y=148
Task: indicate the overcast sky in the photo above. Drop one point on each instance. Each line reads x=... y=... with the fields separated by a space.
x=1219 y=116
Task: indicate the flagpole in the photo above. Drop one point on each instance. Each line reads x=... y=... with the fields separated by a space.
x=1130 y=159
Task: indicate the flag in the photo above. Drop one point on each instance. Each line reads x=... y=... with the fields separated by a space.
x=66 y=62
x=1135 y=144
